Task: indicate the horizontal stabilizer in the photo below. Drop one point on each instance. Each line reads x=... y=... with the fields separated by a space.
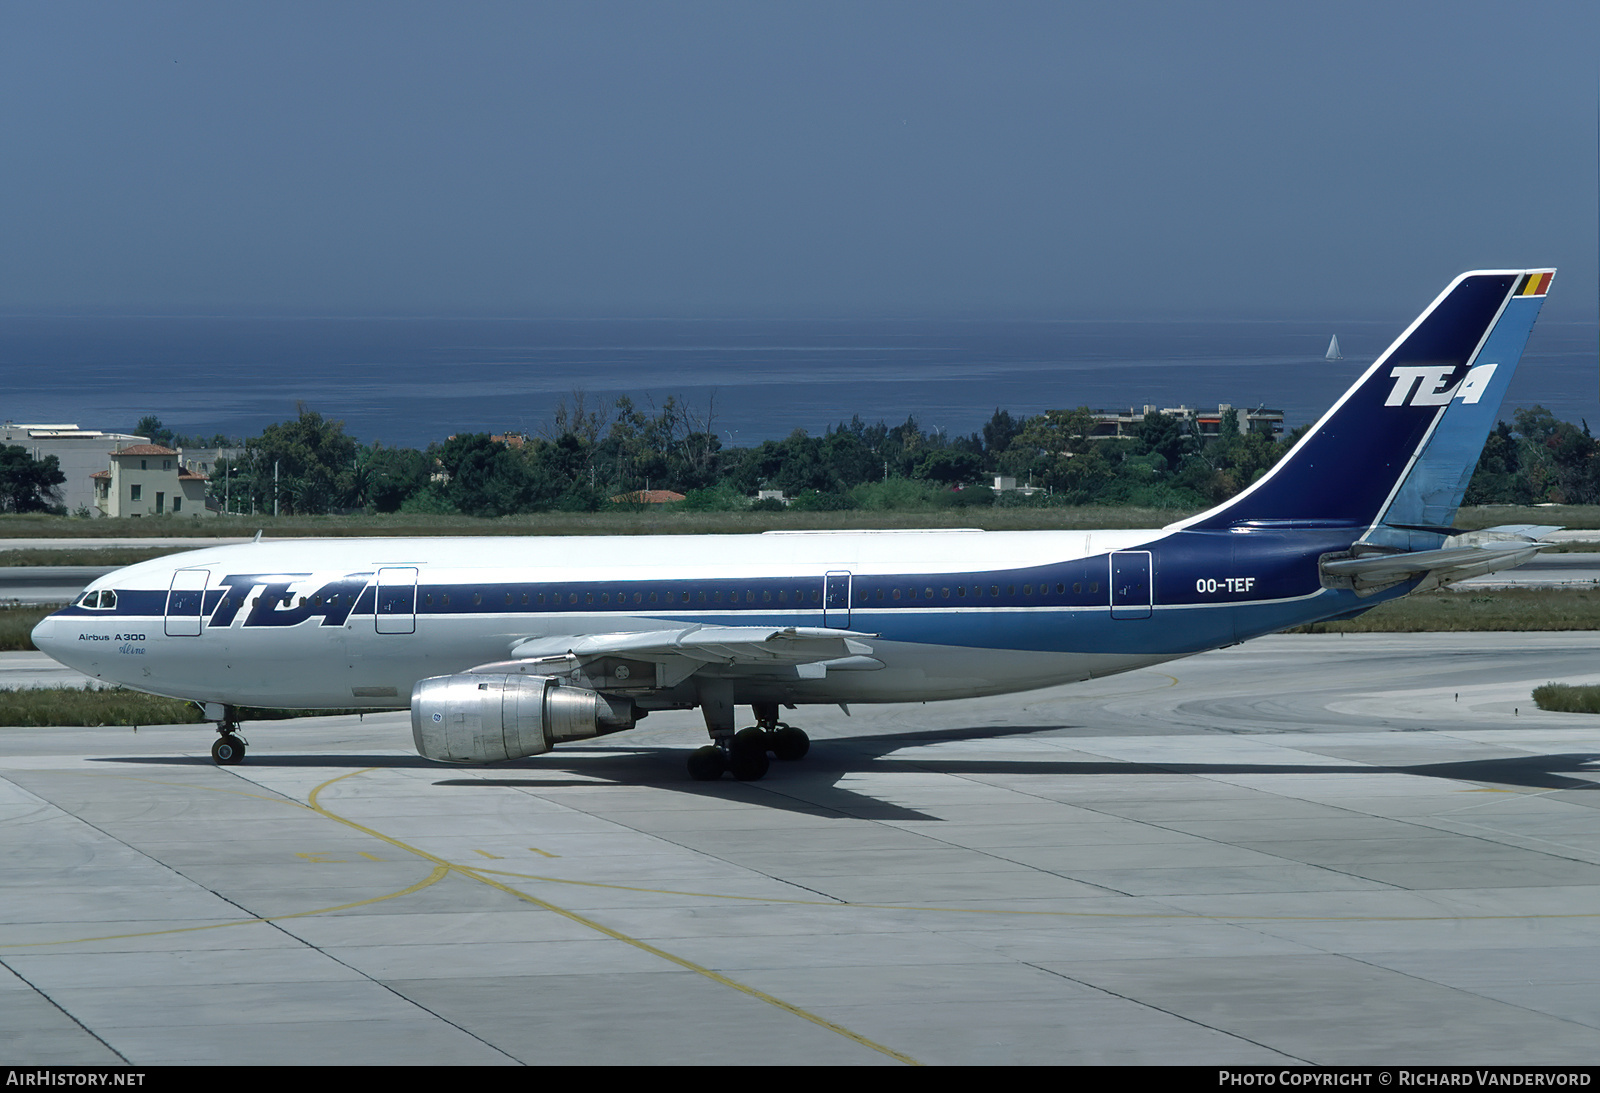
x=1468 y=555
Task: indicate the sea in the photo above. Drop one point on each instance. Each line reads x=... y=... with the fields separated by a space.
x=413 y=381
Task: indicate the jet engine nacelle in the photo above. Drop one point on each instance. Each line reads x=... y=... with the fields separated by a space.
x=471 y=718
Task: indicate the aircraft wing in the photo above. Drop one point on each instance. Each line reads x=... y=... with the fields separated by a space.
x=1469 y=555
x=730 y=645
x=629 y=660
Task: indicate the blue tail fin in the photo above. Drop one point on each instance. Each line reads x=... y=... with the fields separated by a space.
x=1395 y=453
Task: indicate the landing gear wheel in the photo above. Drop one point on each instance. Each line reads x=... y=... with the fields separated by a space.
x=707 y=764
x=228 y=750
x=747 y=755
x=789 y=743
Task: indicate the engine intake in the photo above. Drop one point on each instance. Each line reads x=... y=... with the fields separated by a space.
x=470 y=718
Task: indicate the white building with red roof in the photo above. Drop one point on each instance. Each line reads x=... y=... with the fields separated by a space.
x=150 y=480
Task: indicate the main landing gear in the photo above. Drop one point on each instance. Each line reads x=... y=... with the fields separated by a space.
x=229 y=748
x=744 y=753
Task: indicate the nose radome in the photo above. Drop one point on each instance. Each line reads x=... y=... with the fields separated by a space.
x=44 y=634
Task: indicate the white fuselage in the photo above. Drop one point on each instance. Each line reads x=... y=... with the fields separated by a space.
x=301 y=629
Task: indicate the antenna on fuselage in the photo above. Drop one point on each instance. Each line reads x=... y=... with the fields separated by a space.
x=257 y=539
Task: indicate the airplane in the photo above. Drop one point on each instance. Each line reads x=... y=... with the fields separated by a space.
x=504 y=647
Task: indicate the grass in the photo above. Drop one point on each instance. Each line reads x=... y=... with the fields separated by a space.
x=97 y=556
x=674 y=520
x=40 y=707
x=1567 y=698
x=1567 y=516
x=1503 y=609
x=32 y=707
x=670 y=520
x=17 y=623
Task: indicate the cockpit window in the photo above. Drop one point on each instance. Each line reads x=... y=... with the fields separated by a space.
x=103 y=600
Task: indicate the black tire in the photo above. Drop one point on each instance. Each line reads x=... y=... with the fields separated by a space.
x=790 y=743
x=706 y=764
x=753 y=739
x=228 y=751
x=749 y=766
x=747 y=757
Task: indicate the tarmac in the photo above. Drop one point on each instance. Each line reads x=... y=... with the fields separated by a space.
x=1368 y=849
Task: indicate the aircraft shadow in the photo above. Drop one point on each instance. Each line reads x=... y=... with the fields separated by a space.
x=810 y=786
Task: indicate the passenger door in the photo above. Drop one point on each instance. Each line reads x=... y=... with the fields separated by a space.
x=1131 y=587
x=395 y=609
x=185 y=600
x=836 y=599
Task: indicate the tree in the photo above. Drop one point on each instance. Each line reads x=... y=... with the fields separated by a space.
x=1163 y=434
x=950 y=468
x=28 y=484
x=307 y=465
x=386 y=477
x=151 y=426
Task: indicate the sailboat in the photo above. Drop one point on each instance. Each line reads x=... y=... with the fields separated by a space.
x=1333 y=353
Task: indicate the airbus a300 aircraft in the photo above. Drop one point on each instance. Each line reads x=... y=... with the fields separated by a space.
x=502 y=647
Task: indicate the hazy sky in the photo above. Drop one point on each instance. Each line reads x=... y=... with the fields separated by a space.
x=806 y=159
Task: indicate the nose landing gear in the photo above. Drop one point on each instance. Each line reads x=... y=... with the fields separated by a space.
x=229 y=748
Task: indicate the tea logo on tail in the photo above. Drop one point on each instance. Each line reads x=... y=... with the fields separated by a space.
x=1428 y=381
